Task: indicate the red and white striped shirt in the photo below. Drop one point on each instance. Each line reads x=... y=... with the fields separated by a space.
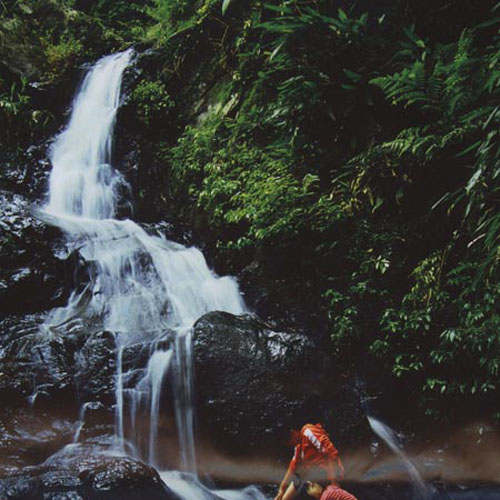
x=316 y=450
x=332 y=492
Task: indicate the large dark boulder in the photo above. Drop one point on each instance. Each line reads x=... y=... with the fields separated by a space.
x=253 y=384
x=86 y=473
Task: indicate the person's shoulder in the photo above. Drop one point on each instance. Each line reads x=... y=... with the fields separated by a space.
x=333 y=492
x=329 y=492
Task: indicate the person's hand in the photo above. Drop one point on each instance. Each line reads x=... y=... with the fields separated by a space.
x=279 y=496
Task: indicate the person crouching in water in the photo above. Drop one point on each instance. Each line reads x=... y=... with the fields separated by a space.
x=316 y=491
x=315 y=460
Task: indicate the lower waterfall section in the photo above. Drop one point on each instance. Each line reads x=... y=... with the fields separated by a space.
x=184 y=398
x=139 y=397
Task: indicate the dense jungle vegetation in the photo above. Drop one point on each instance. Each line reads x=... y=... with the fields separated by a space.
x=349 y=159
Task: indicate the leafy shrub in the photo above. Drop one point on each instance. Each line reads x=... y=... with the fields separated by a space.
x=171 y=16
x=443 y=334
x=62 y=56
x=152 y=101
x=15 y=114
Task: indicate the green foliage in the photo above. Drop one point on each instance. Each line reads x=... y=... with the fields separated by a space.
x=455 y=84
x=241 y=185
x=170 y=11
x=15 y=113
x=152 y=101
x=444 y=333
x=306 y=52
x=62 y=56
x=171 y=16
x=442 y=81
x=42 y=42
x=18 y=50
x=344 y=316
x=13 y=101
x=13 y=106
x=270 y=200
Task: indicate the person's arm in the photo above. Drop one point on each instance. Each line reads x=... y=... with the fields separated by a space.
x=284 y=484
x=341 y=467
x=288 y=475
x=334 y=469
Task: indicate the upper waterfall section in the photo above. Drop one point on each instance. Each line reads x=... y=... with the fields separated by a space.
x=82 y=181
x=139 y=284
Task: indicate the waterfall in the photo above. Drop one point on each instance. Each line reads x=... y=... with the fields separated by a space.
x=157 y=367
x=82 y=182
x=142 y=287
x=184 y=413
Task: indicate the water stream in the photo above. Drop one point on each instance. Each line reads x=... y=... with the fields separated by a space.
x=144 y=288
x=384 y=432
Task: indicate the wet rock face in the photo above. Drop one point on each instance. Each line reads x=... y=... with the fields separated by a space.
x=86 y=473
x=56 y=387
x=32 y=279
x=96 y=368
x=36 y=367
x=46 y=373
x=26 y=172
x=28 y=437
x=254 y=384
x=47 y=368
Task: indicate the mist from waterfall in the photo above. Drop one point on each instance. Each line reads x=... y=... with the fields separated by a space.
x=142 y=287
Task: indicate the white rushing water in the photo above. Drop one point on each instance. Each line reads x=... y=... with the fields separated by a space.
x=188 y=487
x=141 y=286
x=383 y=431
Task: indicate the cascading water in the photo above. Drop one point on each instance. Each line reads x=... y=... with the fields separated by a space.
x=143 y=288
x=184 y=412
